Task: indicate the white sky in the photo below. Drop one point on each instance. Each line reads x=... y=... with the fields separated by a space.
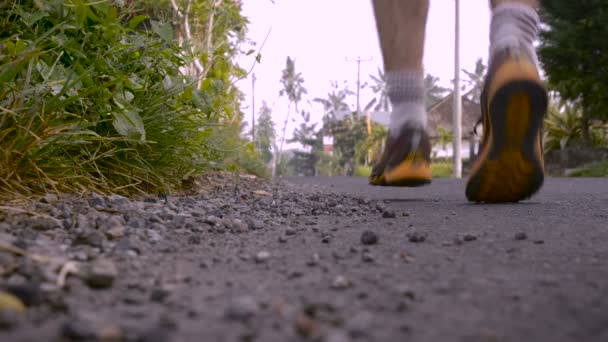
x=321 y=34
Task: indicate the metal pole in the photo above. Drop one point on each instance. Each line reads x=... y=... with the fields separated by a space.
x=359 y=60
x=457 y=108
x=358 y=84
x=253 y=109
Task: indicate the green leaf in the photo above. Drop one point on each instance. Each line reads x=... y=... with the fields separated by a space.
x=250 y=52
x=163 y=30
x=137 y=20
x=31 y=19
x=129 y=123
x=258 y=58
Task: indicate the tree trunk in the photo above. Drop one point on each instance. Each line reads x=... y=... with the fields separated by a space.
x=585 y=129
x=277 y=159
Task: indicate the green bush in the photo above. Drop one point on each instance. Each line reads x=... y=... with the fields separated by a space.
x=88 y=102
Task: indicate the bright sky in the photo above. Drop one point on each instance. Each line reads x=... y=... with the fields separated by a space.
x=321 y=34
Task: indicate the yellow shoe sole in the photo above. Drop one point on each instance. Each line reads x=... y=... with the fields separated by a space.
x=408 y=174
x=510 y=166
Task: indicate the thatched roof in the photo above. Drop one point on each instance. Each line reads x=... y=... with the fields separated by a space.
x=440 y=115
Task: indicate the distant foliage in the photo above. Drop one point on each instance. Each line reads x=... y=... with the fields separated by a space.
x=573 y=55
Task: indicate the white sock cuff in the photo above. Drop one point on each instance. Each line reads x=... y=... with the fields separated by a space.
x=412 y=114
x=405 y=86
x=514 y=27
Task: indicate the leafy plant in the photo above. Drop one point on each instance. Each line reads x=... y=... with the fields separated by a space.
x=90 y=102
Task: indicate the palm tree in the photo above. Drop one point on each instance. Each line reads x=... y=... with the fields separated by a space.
x=475 y=80
x=335 y=102
x=433 y=91
x=293 y=88
x=380 y=88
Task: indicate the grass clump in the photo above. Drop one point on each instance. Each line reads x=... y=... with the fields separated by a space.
x=89 y=102
x=597 y=169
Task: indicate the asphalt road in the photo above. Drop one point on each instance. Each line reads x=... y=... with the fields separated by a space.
x=498 y=286
x=268 y=261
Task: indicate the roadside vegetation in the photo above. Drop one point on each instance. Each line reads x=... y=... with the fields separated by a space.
x=93 y=96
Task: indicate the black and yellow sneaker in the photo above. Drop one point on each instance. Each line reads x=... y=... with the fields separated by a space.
x=510 y=165
x=405 y=161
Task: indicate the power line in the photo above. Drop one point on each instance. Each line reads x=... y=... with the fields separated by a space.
x=359 y=60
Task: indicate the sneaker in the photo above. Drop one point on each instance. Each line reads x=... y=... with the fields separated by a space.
x=510 y=165
x=406 y=160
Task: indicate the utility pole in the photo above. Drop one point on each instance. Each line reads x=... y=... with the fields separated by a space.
x=359 y=60
x=253 y=109
x=457 y=107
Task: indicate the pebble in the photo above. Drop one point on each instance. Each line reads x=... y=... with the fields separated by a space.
x=282 y=239
x=469 y=237
x=91 y=237
x=290 y=231
x=242 y=308
x=367 y=257
x=114 y=228
x=159 y=294
x=416 y=237
x=341 y=282
x=77 y=329
x=262 y=256
x=101 y=274
x=360 y=325
x=369 y=238
x=521 y=236
x=389 y=213
x=10 y=319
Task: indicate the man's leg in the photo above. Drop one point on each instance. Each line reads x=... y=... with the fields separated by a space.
x=510 y=163
x=401 y=28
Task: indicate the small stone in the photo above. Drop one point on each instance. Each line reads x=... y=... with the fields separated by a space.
x=336 y=335
x=97 y=201
x=159 y=294
x=369 y=238
x=49 y=198
x=256 y=224
x=360 y=324
x=282 y=239
x=326 y=238
x=153 y=235
x=9 y=319
x=114 y=228
x=101 y=274
x=305 y=326
x=239 y=226
x=160 y=331
x=416 y=237
x=314 y=260
x=521 y=236
x=367 y=257
x=388 y=213
x=77 y=329
x=290 y=231
x=539 y=242
x=43 y=223
x=91 y=237
x=406 y=292
x=469 y=237
x=341 y=282
x=380 y=206
x=262 y=256
x=242 y=308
